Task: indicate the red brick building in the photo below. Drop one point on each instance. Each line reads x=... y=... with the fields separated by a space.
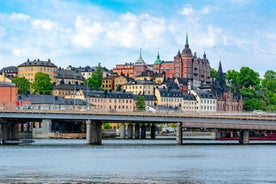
x=8 y=95
x=185 y=65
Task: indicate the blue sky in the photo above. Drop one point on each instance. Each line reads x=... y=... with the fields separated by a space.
x=80 y=33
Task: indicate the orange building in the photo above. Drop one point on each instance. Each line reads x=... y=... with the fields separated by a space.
x=8 y=95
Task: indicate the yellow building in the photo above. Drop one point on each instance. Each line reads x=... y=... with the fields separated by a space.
x=157 y=78
x=3 y=78
x=140 y=87
x=119 y=82
x=29 y=68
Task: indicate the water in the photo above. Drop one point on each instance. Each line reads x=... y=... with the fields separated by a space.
x=137 y=161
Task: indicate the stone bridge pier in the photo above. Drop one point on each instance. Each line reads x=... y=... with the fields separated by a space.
x=93 y=132
x=244 y=137
x=8 y=132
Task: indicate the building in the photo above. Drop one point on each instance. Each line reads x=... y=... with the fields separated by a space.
x=140 y=66
x=66 y=89
x=69 y=77
x=9 y=72
x=8 y=95
x=108 y=101
x=185 y=65
x=120 y=81
x=131 y=70
x=172 y=98
x=126 y=70
x=206 y=100
x=108 y=82
x=87 y=71
x=50 y=102
x=29 y=68
x=227 y=101
x=157 y=78
x=140 y=87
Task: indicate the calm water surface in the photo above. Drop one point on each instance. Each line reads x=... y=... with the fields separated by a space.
x=137 y=161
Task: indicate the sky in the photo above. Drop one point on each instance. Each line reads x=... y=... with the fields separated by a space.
x=87 y=32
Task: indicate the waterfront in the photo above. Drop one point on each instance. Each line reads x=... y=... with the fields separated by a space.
x=137 y=161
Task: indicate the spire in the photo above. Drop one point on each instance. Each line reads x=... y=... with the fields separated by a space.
x=186 y=49
x=187 y=40
x=204 y=55
x=140 y=59
x=158 y=60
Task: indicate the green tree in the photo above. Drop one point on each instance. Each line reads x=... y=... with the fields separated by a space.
x=232 y=75
x=248 y=78
x=23 y=85
x=269 y=81
x=140 y=103
x=95 y=81
x=214 y=73
x=42 y=84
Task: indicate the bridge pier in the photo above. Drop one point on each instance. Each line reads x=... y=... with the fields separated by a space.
x=123 y=131
x=152 y=131
x=46 y=126
x=244 y=137
x=179 y=133
x=93 y=132
x=143 y=131
x=9 y=132
x=130 y=131
x=137 y=131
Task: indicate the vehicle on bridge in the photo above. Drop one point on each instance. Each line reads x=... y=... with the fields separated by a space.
x=259 y=112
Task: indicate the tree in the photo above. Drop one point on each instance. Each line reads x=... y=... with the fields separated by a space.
x=248 y=78
x=95 y=81
x=42 y=83
x=214 y=73
x=140 y=103
x=232 y=75
x=23 y=85
x=269 y=81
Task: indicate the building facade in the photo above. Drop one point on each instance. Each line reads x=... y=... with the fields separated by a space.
x=140 y=87
x=185 y=65
x=29 y=68
x=108 y=101
x=8 y=95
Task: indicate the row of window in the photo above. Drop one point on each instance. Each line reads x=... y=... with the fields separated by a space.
x=37 y=69
x=208 y=101
x=100 y=100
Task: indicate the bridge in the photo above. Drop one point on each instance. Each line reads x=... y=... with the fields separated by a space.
x=243 y=122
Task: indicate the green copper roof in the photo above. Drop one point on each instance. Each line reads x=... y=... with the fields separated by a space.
x=158 y=60
x=187 y=41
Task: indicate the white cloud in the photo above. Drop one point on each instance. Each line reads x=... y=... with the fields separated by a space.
x=187 y=10
x=43 y=24
x=19 y=16
x=87 y=32
x=205 y=10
